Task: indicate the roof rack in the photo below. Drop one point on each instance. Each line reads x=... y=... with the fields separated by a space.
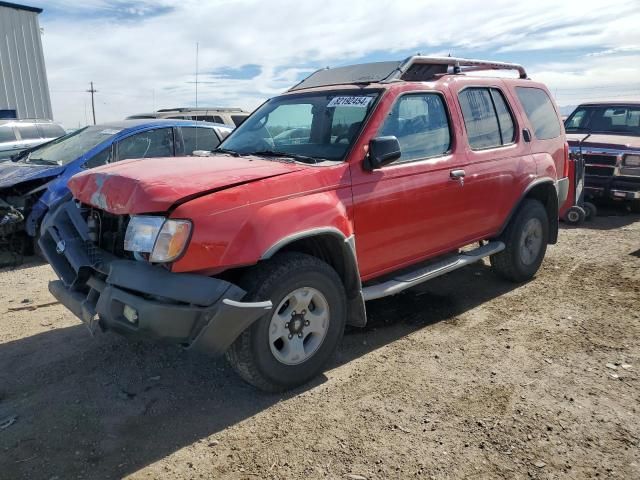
x=417 y=68
x=458 y=65
x=200 y=109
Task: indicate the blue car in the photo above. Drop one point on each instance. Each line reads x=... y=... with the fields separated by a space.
x=38 y=178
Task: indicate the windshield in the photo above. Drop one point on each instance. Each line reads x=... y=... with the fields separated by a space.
x=622 y=120
x=70 y=147
x=315 y=126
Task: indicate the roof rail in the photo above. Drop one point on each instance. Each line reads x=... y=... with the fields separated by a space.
x=458 y=65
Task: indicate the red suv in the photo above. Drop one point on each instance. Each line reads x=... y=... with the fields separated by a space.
x=356 y=184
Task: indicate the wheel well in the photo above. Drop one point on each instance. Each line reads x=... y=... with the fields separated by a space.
x=328 y=248
x=339 y=253
x=546 y=194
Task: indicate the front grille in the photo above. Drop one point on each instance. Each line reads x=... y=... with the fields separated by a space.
x=593 y=159
x=599 y=171
x=109 y=231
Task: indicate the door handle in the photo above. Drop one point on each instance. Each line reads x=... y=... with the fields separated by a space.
x=457 y=175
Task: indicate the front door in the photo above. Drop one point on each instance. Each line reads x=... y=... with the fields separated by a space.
x=412 y=208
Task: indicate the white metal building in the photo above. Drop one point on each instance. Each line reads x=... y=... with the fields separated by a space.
x=24 y=91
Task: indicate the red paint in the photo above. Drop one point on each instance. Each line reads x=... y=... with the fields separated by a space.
x=400 y=214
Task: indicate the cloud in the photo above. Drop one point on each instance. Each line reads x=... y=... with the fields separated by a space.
x=141 y=55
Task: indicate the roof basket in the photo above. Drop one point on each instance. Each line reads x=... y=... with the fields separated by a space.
x=413 y=69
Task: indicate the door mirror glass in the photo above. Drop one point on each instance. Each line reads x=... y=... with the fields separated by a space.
x=382 y=151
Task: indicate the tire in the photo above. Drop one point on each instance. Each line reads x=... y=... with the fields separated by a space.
x=634 y=206
x=591 y=211
x=525 y=239
x=267 y=355
x=575 y=215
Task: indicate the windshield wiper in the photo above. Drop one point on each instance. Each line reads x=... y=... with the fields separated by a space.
x=293 y=156
x=40 y=160
x=226 y=150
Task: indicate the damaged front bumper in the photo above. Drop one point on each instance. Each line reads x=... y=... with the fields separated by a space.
x=138 y=299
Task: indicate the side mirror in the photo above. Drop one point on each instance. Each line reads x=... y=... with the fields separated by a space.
x=382 y=151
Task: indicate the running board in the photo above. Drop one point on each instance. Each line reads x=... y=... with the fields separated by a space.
x=411 y=279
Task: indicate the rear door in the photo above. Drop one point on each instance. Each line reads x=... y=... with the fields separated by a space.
x=412 y=208
x=499 y=160
x=197 y=138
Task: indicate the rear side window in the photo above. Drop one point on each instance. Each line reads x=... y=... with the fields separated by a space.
x=51 y=130
x=421 y=125
x=238 y=119
x=539 y=109
x=487 y=118
x=151 y=143
x=7 y=134
x=199 y=139
x=28 y=132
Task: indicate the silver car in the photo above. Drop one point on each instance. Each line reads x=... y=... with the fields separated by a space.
x=19 y=135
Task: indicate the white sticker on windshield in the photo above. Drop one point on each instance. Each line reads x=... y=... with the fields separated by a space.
x=359 y=102
x=109 y=131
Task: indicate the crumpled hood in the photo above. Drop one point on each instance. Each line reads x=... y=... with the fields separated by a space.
x=14 y=173
x=600 y=140
x=155 y=184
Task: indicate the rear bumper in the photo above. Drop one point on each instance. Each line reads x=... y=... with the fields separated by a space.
x=141 y=300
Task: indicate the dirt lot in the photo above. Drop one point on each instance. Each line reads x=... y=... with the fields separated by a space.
x=467 y=377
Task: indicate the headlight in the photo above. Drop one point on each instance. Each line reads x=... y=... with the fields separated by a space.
x=163 y=239
x=632 y=160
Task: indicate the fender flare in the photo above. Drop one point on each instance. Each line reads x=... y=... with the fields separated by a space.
x=357 y=315
x=555 y=207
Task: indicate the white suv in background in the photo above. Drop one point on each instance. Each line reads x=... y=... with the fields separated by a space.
x=18 y=135
x=228 y=116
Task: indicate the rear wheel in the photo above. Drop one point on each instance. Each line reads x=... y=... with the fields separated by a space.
x=293 y=342
x=525 y=240
x=575 y=215
x=591 y=211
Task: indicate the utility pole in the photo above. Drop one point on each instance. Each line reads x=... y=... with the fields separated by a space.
x=93 y=105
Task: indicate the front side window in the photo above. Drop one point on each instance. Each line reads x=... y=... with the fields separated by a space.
x=621 y=119
x=7 y=134
x=195 y=138
x=540 y=112
x=238 y=119
x=28 y=132
x=100 y=158
x=147 y=144
x=318 y=126
x=421 y=125
x=51 y=130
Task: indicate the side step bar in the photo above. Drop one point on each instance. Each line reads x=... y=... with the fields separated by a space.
x=411 y=279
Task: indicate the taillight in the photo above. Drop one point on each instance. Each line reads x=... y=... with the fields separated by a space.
x=565 y=170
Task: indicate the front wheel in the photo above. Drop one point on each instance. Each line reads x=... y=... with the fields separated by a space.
x=525 y=240
x=293 y=342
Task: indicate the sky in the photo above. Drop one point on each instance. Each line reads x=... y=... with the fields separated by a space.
x=141 y=55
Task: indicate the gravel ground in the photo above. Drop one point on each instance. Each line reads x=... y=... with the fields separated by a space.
x=465 y=377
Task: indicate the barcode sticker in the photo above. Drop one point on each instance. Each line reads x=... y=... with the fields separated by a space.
x=358 y=102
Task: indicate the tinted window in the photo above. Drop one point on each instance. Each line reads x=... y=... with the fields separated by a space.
x=540 y=111
x=28 y=132
x=6 y=134
x=420 y=124
x=504 y=117
x=480 y=118
x=98 y=159
x=50 y=130
x=151 y=143
x=238 y=119
x=606 y=119
x=199 y=139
